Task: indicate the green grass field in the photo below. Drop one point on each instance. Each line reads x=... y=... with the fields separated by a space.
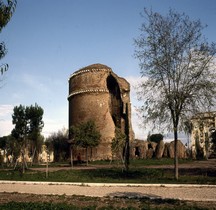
x=106 y=172
x=114 y=174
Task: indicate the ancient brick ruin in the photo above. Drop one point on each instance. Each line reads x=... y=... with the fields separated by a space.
x=203 y=125
x=146 y=150
x=97 y=93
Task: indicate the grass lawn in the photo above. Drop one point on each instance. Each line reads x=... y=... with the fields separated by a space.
x=114 y=174
x=104 y=172
x=144 y=162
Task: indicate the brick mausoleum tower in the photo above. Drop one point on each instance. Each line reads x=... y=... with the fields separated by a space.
x=97 y=93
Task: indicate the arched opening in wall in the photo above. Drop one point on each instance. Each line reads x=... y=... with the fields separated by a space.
x=115 y=102
x=137 y=152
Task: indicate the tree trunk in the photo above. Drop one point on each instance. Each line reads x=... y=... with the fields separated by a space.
x=126 y=156
x=71 y=156
x=87 y=156
x=23 y=163
x=33 y=156
x=47 y=165
x=176 y=152
x=127 y=146
x=15 y=164
x=121 y=155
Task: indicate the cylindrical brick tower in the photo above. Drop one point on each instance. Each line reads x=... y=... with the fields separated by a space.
x=96 y=93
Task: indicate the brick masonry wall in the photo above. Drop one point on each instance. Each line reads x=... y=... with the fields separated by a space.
x=90 y=99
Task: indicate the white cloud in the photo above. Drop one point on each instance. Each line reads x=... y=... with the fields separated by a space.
x=5 y=110
x=52 y=125
x=135 y=81
x=55 y=122
x=140 y=132
x=6 y=126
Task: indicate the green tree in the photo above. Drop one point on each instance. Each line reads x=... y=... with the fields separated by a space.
x=6 y=12
x=20 y=131
x=20 y=121
x=34 y=114
x=3 y=141
x=28 y=126
x=58 y=143
x=213 y=141
x=85 y=135
x=11 y=148
x=157 y=137
x=178 y=65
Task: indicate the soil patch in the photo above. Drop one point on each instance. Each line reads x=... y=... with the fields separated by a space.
x=83 y=202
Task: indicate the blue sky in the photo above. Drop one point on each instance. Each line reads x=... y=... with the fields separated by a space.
x=47 y=40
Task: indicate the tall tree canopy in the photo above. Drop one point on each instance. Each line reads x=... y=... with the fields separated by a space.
x=58 y=143
x=19 y=119
x=34 y=115
x=85 y=135
x=11 y=147
x=156 y=137
x=6 y=11
x=179 y=69
x=28 y=122
x=28 y=126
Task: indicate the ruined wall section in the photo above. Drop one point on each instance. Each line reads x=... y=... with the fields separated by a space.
x=96 y=93
x=126 y=109
x=203 y=125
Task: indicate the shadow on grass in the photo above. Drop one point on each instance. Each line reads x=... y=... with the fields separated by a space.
x=132 y=176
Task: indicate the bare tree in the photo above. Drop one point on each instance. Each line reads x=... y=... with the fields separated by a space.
x=178 y=64
x=118 y=146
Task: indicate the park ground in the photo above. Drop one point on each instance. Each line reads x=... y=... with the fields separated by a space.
x=27 y=201
x=40 y=201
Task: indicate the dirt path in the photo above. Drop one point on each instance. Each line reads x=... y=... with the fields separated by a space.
x=182 y=192
x=205 y=193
